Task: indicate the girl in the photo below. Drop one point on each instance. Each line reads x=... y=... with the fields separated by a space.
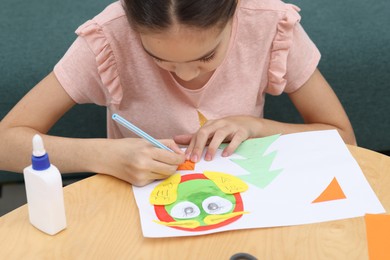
x=189 y=72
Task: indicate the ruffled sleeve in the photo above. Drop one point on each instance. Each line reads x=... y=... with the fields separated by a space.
x=280 y=50
x=94 y=35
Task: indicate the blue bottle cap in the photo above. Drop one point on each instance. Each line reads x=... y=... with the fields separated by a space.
x=40 y=159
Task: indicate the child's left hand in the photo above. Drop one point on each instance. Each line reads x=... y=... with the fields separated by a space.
x=234 y=129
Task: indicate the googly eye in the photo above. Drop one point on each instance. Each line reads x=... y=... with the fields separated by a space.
x=185 y=210
x=216 y=205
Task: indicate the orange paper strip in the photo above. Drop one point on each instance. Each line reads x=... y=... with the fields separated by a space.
x=378 y=236
x=187 y=165
x=332 y=192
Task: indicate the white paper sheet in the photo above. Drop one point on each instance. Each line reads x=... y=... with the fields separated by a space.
x=306 y=163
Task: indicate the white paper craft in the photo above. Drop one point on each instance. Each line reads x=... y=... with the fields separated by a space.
x=281 y=180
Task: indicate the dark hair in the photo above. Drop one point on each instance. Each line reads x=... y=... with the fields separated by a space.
x=158 y=15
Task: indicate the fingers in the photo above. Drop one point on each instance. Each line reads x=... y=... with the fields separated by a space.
x=167 y=157
x=165 y=163
x=215 y=132
x=222 y=135
x=155 y=163
x=161 y=165
x=173 y=145
x=198 y=143
x=237 y=139
x=141 y=181
x=216 y=141
x=139 y=162
x=183 y=139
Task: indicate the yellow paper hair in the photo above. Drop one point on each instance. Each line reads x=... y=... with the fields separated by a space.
x=228 y=184
x=165 y=193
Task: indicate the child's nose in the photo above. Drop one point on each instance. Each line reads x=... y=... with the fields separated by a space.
x=186 y=72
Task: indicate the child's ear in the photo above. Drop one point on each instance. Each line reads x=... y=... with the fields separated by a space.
x=228 y=184
x=166 y=192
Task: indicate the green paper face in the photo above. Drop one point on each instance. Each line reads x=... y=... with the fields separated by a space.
x=196 y=192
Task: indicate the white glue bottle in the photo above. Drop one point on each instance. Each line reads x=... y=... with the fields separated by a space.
x=45 y=198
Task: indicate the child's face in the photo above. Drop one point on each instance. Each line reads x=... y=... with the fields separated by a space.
x=187 y=52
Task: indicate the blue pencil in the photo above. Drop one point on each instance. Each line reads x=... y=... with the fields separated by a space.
x=139 y=132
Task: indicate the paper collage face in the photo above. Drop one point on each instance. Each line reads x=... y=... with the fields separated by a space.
x=279 y=180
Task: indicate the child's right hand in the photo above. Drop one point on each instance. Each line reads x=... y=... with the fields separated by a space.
x=136 y=161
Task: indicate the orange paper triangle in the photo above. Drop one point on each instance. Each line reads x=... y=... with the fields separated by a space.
x=187 y=165
x=332 y=192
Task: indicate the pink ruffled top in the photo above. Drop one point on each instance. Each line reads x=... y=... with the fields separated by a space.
x=269 y=52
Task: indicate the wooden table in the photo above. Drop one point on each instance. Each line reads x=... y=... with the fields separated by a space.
x=103 y=223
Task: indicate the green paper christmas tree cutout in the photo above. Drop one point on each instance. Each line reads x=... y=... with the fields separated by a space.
x=256 y=162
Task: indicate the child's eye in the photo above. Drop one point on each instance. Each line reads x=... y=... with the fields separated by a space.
x=208 y=58
x=205 y=59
